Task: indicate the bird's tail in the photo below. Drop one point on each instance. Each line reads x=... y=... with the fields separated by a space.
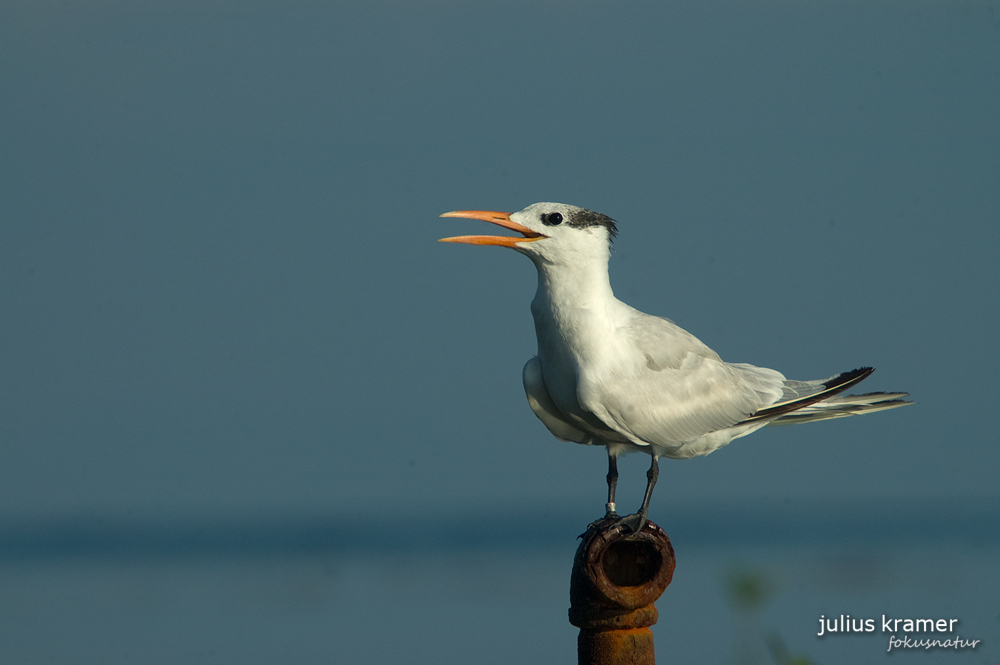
x=840 y=406
x=805 y=401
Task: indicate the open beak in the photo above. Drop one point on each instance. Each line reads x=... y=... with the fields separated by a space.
x=498 y=218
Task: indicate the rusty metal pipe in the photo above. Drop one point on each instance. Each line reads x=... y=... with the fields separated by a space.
x=617 y=576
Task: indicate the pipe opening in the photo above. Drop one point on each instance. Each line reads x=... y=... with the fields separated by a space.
x=631 y=562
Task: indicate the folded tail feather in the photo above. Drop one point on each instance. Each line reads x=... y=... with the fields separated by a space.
x=841 y=406
x=806 y=401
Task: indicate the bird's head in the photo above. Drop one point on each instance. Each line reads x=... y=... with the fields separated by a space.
x=551 y=233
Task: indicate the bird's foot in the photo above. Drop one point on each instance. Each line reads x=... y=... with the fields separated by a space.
x=609 y=516
x=634 y=522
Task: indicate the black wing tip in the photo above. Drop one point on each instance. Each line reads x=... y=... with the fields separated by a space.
x=832 y=386
x=849 y=378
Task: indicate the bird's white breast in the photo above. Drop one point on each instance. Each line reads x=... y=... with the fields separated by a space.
x=576 y=343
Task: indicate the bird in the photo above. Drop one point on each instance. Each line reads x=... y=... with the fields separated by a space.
x=607 y=374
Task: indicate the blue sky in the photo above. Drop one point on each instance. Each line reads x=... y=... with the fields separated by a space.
x=222 y=293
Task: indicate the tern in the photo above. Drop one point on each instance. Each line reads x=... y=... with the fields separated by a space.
x=607 y=374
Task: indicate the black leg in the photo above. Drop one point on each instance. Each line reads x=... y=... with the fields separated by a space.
x=638 y=520
x=651 y=476
x=612 y=485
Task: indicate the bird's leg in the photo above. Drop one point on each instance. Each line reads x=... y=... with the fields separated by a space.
x=638 y=520
x=612 y=485
x=651 y=477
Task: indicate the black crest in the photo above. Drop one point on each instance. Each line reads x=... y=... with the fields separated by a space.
x=582 y=218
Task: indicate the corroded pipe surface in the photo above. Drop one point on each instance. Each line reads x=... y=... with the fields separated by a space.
x=617 y=575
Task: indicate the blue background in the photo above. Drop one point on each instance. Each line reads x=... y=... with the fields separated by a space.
x=228 y=327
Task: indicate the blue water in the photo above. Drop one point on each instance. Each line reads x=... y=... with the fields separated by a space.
x=315 y=591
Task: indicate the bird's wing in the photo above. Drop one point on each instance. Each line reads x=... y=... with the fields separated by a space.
x=800 y=394
x=545 y=409
x=663 y=386
x=807 y=401
x=842 y=405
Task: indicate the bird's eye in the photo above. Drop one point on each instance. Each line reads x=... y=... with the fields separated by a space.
x=552 y=219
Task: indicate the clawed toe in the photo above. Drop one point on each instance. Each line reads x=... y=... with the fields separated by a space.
x=633 y=522
x=608 y=517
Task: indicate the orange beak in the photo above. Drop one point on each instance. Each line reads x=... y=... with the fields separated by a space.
x=498 y=218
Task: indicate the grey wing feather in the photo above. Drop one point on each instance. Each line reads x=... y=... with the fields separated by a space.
x=674 y=389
